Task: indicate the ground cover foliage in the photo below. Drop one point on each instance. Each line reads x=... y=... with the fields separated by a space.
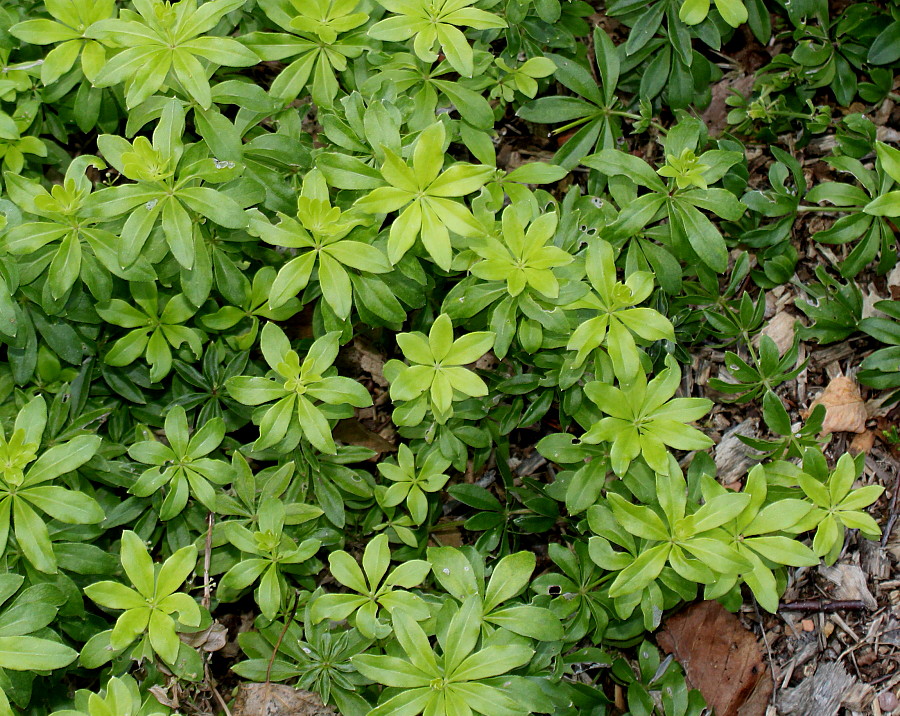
x=351 y=344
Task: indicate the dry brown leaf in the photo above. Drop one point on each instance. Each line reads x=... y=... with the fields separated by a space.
x=162 y=695
x=862 y=442
x=449 y=537
x=721 y=658
x=278 y=700
x=360 y=356
x=212 y=638
x=781 y=330
x=851 y=583
x=715 y=115
x=845 y=410
x=352 y=432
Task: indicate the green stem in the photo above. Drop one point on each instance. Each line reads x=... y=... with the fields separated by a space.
x=849 y=209
x=637 y=117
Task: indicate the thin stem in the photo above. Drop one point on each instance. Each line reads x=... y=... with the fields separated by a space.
x=849 y=209
x=287 y=623
x=207 y=558
x=637 y=117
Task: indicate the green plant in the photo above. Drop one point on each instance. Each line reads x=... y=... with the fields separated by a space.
x=375 y=588
x=791 y=442
x=319 y=658
x=121 y=697
x=682 y=197
x=435 y=22
x=25 y=485
x=878 y=370
x=426 y=194
x=166 y=188
x=693 y=12
x=596 y=111
x=156 y=326
x=323 y=230
x=410 y=481
x=836 y=308
x=271 y=550
x=643 y=418
x=313 y=40
x=838 y=505
x=756 y=536
x=619 y=321
x=147 y=607
x=293 y=414
x=182 y=466
x=437 y=371
x=70 y=25
x=767 y=372
x=30 y=613
x=452 y=681
x=690 y=543
x=164 y=40
x=462 y=577
x=79 y=248
x=300 y=329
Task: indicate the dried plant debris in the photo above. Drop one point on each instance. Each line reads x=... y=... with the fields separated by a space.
x=427 y=356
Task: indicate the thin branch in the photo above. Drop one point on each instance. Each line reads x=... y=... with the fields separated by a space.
x=207 y=557
x=762 y=629
x=287 y=623
x=821 y=605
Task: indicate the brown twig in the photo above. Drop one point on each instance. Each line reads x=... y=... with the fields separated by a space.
x=287 y=623
x=820 y=605
x=219 y=698
x=762 y=628
x=207 y=557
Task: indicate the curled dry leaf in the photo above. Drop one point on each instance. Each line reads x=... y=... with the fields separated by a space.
x=212 y=638
x=845 y=410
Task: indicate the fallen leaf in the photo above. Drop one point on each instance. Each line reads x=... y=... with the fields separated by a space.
x=851 y=584
x=352 y=432
x=210 y=639
x=845 y=410
x=162 y=695
x=717 y=111
x=781 y=330
x=448 y=537
x=360 y=356
x=808 y=625
x=893 y=282
x=862 y=442
x=888 y=701
x=870 y=298
x=278 y=700
x=721 y=659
